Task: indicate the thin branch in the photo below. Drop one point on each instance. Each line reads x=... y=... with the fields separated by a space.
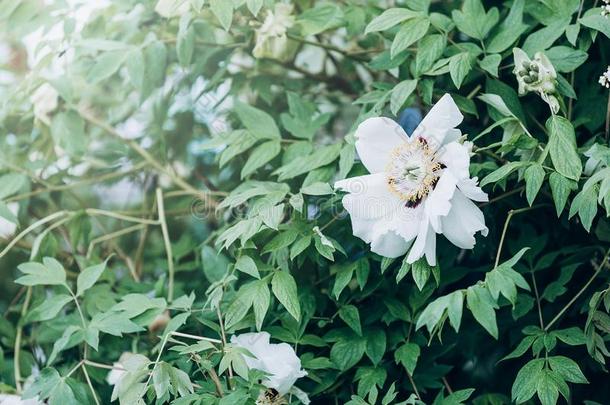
x=168 y=245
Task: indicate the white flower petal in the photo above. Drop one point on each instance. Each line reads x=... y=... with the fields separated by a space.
x=279 y=361
x=438 y=125
x=388 y=243
x=369 y=201
x=471 y=190
x=438 y=204
x=375 y=140
x=463 y=221
x=456 y=157
x=425 y=244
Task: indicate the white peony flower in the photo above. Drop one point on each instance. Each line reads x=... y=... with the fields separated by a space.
x=172 y=8
x=8 y=228
x=44 y=100
x=271 y=39
x=606 y=8
x=16 y=400
x=419 y=186
x=604 y=79
x=279 y=361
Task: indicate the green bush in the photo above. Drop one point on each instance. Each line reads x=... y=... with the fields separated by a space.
x=180 y=181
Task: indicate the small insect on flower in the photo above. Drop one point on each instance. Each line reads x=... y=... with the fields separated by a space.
x=604 y=79
x=419 y=186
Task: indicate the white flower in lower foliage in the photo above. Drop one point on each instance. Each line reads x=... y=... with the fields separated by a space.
x=271 y=38
x=44 y=100
x=8 y=228
x=419 y=186
x=16 y=400
x=279 y=361
x=604 y=79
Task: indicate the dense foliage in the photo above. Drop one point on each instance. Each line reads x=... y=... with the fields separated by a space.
x=166 y=183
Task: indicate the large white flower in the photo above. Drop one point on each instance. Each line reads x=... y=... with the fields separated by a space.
x=419 y=186
x=271 y=38
x=279 y=361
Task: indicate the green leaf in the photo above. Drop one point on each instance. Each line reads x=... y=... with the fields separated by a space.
x=521 y=348
x=482 y=305
x=260 y=302
x=342 y=279
x=376 y=341
x=534 y=177
x=407 y=355
x=562 y=147
x=88 y=277
x=247 y=265
x=473 y=21
x=11 y=183
x=351 y=317
x=68 y=132
x=420 y=270
x=401 y=93
x=501 y=172
x=568 y=369
x=526 y=382
x=223 y=10
x=49 y=308
x=388 y=19
x=490 y=64
x=62 y=394
x=585 y=203
x=510 y=30
x=106 y=65
x=321 y=157
x=285 y=290
x=257 y=122
x=561 y=187
x=542 y=39
x=51 y=272
x=459 y=66
x=546 y=388
x=566 y=59
x=596 y=21
x=348 y=351
x=185 y=41
x=429 y=49
x=260 y=156
x=410 y=32
x=317 y=188
x=254 y=6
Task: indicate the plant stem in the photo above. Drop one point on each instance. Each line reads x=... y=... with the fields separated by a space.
x=168 y=245
x=579 y=293
x=537 y=300
x=84 y=368
x=30 y=228
x=508 y=218
x=189 y=336
x=95 y=211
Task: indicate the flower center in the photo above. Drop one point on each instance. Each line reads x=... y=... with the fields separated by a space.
x=413 y=171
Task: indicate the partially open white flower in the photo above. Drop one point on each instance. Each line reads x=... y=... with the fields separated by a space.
x=419 y=186
x=8 y=228
x=537 y=75
x=604 y=79
x=172 y=8
x=606 y=8
x=279 y=361
x=44 y=100
x=271 y=38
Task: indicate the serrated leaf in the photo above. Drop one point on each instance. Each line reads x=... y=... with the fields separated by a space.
x=285 y=290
